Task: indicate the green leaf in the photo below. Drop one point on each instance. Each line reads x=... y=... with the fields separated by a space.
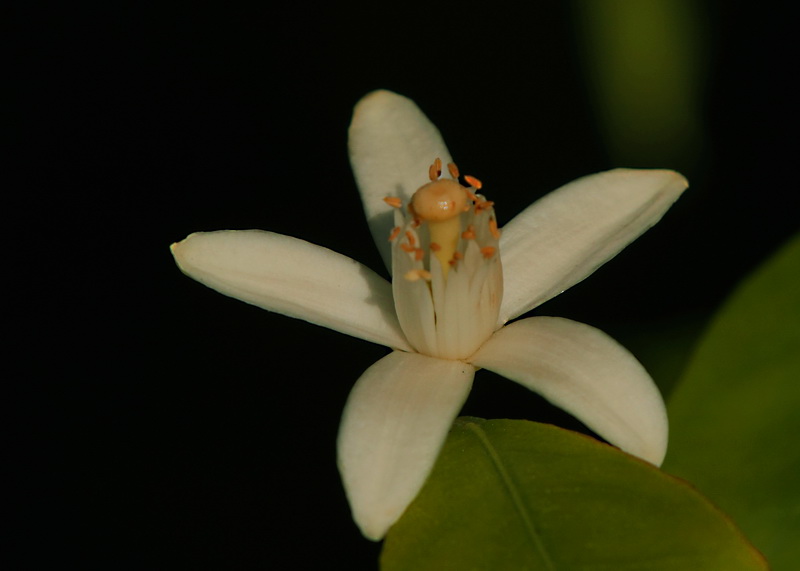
x=735 y=416
x=510 y=494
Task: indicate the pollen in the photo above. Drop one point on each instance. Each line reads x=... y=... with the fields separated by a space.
x=435 y=247
x=469 y=233
x=395 y=233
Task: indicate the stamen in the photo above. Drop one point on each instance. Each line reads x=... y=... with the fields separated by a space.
x=407 y=247
x=411 y=240
x=487 y=251
x=418 y=254
x=435 y=247
x=469 y=233
x=435 y=170
x=483 y=205
x=415 y=275
x=453 y=170
x=393 y=201
x=394 y=234
x=473 y=182
x=493 y=228
x=456 y=257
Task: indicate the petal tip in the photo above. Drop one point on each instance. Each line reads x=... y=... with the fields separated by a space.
x=377 y=97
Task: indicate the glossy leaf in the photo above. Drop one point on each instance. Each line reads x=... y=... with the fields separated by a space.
x=735 y=416
x=509 y=494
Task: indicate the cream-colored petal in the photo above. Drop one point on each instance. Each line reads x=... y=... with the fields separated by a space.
x=295 y=278
x=565 y=236
x=392 y=145
x=394 y=425
x=588 y=374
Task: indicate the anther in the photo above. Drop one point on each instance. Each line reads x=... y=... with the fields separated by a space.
x=418 y=254
x=453 y=170
x=469 y=233
x=393 y=201
x=435 y=247
x=395 y=233
x=483 y=205
x=435 y=170
x=411 y=240
x=473 y=182
x=406 y=247
x=487 y=251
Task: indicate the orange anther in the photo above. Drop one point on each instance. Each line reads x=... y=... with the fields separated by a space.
x=411 y=240
x=407 y=247
x=435 y=170
x=473 y=182
x=393 y=201
x=435 y=247
x=458 y=256
x=418 y=254
x=469 y=233
x=493 y=228
x=483 y=205
x=453 y=169
x=487 y=251
x=395 y=232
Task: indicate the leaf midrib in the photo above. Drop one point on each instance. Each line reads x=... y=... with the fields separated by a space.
x=516 y=499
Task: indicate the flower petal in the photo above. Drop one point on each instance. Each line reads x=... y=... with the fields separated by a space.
x=295 y=278
x=565 y=236
x=588 y=374
x=392 y=145
x=394 y=425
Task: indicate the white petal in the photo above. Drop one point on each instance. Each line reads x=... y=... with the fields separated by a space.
x=564 y=237
x=394 y=425
x=295 y=278
x=392 y=145
x=588 y=374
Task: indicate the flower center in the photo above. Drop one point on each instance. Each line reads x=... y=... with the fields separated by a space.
x=448 y=279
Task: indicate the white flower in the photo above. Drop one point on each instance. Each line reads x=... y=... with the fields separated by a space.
x=443 y=326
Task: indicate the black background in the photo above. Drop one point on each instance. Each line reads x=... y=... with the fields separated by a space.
x=163 y=425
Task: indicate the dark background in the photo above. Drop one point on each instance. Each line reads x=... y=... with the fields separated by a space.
x=164 y=425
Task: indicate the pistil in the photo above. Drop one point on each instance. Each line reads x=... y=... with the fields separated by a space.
x=439 y=203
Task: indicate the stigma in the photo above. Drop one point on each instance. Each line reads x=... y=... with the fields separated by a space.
x=448 y=278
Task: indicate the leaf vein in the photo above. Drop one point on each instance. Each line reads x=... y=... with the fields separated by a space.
x=516 y=499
